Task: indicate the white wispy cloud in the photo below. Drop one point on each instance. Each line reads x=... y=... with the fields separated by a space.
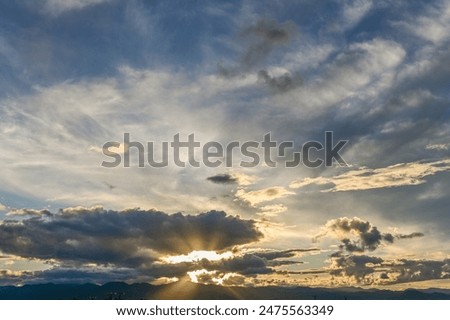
x=402 y=174
x=56 y=7
x=263 y=195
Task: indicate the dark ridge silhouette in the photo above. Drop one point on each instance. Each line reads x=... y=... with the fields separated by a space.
x=188 y=290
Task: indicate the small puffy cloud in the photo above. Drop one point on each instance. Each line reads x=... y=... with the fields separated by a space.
x=239 y=178
x=402 y=174
x=222 y=179
x=263 y=195
x=3 y=207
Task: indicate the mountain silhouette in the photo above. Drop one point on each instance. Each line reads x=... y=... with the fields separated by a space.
x=188 y=290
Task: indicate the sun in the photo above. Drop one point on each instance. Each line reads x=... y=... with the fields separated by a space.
x=198 y=255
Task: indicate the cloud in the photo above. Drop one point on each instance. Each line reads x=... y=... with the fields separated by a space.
x=402 y=174
x=222 y=179
x=263 y=195
x=438 y=147
x=272 y=210
x=254 y=261
x=357 y=235
x=432 y=24
x=130 y=238
x=357 y=267
x=217 y=278
x=410 y=236
x=367 y=236
x=277 y=254
x=245 y=265
x=56 y=7
x=29 y=212
x=370 y=270
x=72 y=275
x=3 y=207
x=267 y=35
x=262 y=38
x=281 y=83
x=354 y=11
x=406 y=270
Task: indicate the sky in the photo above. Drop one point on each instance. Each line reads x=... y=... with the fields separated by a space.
x=77 y=74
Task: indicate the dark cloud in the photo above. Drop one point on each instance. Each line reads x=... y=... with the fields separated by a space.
x=258 y=262
x=374 y=270
x=266 y=36
x=73 y=275
x=410 y=236
x=279 y=263
x=222 y=179
x=29 y=212
x=356 y=266
x=368 y=237
x=418 y=270
x=246 y=264
x=129 y=238
x=276 y=254
x=262 y=39
x=282 y=83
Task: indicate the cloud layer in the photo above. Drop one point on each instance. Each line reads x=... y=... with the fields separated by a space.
x=129 y=238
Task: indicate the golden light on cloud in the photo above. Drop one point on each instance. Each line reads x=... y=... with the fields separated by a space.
x=401 y=174
x=198 y=255
x=215 y=277
x=164 y=280
x=263 y=195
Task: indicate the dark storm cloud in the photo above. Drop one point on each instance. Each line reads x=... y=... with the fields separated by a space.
x=222 y=179
x=130 y=238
